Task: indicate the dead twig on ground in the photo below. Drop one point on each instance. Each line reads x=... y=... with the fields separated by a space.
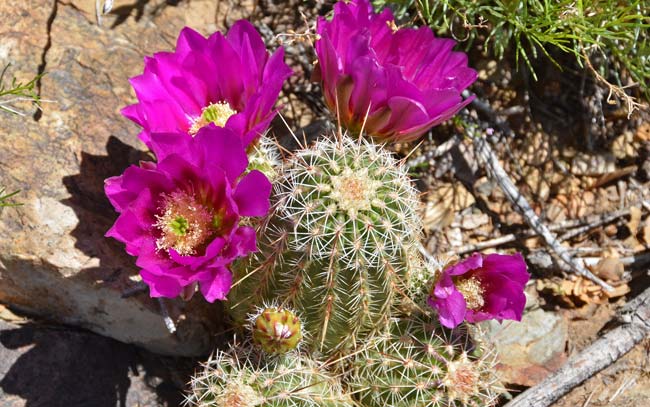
x=489 y=158
x=576 y=226
x=635 y=319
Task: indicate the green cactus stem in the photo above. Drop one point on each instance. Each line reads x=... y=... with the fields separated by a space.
x=419 y=364
x=338 y=246
x=237 y=379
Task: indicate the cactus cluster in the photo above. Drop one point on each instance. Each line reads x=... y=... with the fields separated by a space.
x=418 y=364
x=239 y=378
x=340 y=266
x=339 y=244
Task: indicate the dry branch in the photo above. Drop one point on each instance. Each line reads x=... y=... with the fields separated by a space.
x=635 y=318
x=577 y=226
x=489 y=158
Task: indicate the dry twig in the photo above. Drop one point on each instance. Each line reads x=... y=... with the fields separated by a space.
x=576 y=226
x=635 y=318
x=487 y=155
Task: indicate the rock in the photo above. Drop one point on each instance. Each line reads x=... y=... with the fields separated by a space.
x=54 y=258
x=531 y=349
x=48 y=366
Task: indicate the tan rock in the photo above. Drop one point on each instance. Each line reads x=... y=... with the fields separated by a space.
x=54 y=258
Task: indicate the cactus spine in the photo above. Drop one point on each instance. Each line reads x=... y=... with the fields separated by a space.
x=339 y=244
x=419 y=365
x=235 y=379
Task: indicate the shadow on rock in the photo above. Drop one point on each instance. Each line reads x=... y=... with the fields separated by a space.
x=61 y=366
x=123 y=12
x=96 y=214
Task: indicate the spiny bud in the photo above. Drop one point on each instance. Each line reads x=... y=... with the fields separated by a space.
x=276 y=330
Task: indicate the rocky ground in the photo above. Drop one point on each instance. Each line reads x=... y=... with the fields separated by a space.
x=87 y=344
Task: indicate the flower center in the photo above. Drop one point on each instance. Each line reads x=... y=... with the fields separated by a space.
x=354 y=190
x=473 y=292
x=184 y=223
x=217 y=113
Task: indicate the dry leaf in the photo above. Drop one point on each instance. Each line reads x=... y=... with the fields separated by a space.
x=609 y=268
x=474 y=220
x=593 y=164
x=624 y=146
x=444 y=201
x=643 y=132
x=577 y=290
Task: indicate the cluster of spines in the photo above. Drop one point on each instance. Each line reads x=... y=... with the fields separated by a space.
x=419 y=364
x=239 y=378
x=263 y=156
x=350 y=199
x=338 y=245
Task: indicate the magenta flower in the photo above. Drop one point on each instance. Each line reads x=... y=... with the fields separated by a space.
x=405 y=80
x=180 y=217
x=230 y=81
x=479 y=288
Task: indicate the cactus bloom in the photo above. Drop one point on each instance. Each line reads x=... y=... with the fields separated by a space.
x=403 y=79
x=180 y=217
x=479 y=288
x=230 y=81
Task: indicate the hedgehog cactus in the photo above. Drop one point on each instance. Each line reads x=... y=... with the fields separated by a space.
x=235 y=379
x=276 y=330
x=339 y=244
x=263 y=156
x=418 y=364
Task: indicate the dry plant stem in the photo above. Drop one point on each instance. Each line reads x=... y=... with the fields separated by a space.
x=581 y=225
x=487 y=155
x=619 y=92
x=635 y=317
x=607 y=218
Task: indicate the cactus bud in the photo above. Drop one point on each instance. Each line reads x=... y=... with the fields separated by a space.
x=276 y=330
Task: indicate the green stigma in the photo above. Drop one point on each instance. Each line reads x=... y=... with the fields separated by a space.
x=217 y=113
x=179 y=226
x=217 y=221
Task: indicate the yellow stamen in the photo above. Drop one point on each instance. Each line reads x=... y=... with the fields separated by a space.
x=217 y=113
x=184 y=224
x=473 y=292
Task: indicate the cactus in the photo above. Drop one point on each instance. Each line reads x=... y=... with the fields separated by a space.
x=422 y=281
x=238 y=379
x=418 y=364
x=263 y=156
x=339 y=244
x=276 y=330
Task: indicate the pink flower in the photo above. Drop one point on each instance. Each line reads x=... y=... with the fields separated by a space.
x=479 y=288
x=180 y=217
x=405 y=80
x=230 y=81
